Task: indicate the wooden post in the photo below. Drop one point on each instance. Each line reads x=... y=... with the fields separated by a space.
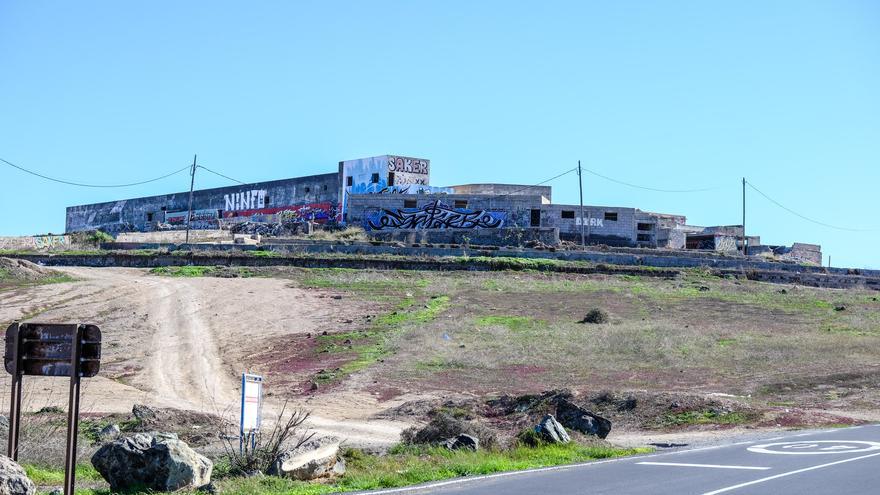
x=192 y=183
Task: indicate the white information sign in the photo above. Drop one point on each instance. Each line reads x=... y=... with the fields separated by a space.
x=251 y=402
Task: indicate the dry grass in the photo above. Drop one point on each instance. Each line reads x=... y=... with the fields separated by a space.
x=520 y=332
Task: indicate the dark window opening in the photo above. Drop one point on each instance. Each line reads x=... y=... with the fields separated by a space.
x=374 y=178
x=164 y=208
x=349 y=181
x=308 y=190
x=611 y=216
x=266 y=200
x=461 y=203
x=410 y=203
x=219 y=213
x=567 y=214
x=643 y=237
x=325 y=187
x=535 y=218
x=150 y=217
x=645 y=226
x=390 y=178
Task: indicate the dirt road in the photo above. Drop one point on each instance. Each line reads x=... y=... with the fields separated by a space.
x=183 y=342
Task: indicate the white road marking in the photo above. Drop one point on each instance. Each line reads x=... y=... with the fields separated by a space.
x=715 y=466
x=815 y=447
x=471 y=479
x=781 y=475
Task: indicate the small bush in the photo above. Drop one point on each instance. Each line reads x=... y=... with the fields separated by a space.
x=528 y=437
x=443 y=426
x=289 y=433
x=97 y=237
x=595 y=316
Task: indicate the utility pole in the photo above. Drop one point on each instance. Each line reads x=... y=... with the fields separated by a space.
x=582 y=219
x=745 y=248
x=192 y=183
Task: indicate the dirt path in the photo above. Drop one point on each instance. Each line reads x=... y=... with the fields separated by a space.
x=183 y=342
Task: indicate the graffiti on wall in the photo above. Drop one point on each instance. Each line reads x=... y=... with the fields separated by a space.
x=409 y=170
x=201 y=219
x=314 y=212
x=245 y=200
x=435 y=215
x=51 y=241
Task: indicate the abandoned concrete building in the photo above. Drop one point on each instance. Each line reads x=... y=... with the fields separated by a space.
x=393 y=194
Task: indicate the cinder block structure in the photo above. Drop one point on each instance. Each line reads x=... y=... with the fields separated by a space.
x=390 y=193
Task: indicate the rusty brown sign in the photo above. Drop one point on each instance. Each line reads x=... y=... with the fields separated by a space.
x=45 y=349
x=51 y=349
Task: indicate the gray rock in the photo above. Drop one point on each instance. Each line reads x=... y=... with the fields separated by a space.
x=463 y=441
x=4 y=421
x=579 y=419
x=160 y=462
x=313 y=460
x=143 y=412
x=552 y=431
x=109 y=433
x=13 y=480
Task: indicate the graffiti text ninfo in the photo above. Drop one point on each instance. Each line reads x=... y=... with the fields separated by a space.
x=247 y=200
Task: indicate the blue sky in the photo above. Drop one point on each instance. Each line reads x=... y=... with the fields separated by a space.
x=672 y=95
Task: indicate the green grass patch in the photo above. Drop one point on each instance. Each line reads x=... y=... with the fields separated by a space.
x=689 y=418
x=184 y=271
x=406 y=466
x=43 y=475
x=509 y=263
x=264 y=254
x=513 y=323
x=371 y=345
x=725 y=342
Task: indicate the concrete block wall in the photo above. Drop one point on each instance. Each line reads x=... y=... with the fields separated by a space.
x=601 y=229
x=506 y=189
x=475 y=237
x=135 y=214
x=516 y=210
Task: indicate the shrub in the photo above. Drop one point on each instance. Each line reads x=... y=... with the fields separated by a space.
x=287 y=434
x=528 y=437
x=596 y=316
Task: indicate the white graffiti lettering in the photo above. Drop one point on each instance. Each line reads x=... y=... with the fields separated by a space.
x=592 y=222
x=247 y=200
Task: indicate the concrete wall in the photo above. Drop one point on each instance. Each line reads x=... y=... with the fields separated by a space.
x=38 y=242
x=176 y=236
x=383 y=212
x=505 y=189
x=318 y=192
x=475 y=237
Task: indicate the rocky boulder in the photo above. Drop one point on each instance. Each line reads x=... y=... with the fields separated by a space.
x=579 y=419
x=13 y=480
x=444 y=426
x=551 y=431
x=463 y=441
x=312 y=460
x=157 y=462
x=108 y=433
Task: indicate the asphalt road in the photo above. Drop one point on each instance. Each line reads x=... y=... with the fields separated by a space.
x=838 y=461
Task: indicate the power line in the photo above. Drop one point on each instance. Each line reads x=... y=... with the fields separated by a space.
x=597 y=174
x=541 y=183
x=221 y=175
x=80 y=184
x=823 y=224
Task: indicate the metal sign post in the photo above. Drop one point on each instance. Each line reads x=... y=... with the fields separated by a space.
x=251 y=409
x=51 y=349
